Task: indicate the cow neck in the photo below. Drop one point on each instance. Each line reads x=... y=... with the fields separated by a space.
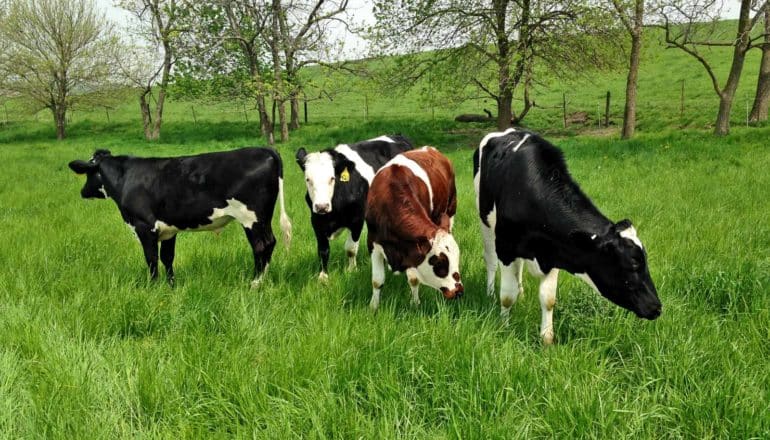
x=112 y=171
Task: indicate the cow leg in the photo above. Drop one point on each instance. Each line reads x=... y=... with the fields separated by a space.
x=149 y=241
x=509 y=287
x=262 y=242
x=167 y=248
x=351 y=245
x=547 y=302
x=378 y=277
x=323 y=253
x=490 y=257
x=414 y=285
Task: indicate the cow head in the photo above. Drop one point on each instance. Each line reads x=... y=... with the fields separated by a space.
x=322 y=170
x=94 y=186
x=618 y=269
x=441 y=267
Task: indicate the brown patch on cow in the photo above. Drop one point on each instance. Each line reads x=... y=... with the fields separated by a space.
x=440 y=265
x=550 y=303
x=456 y=276
x=351 y=254
x=376 y=285
x=413 y=282
x=506 y=302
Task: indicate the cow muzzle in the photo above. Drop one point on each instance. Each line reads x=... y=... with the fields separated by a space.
x=322 y=208
x=457 y=292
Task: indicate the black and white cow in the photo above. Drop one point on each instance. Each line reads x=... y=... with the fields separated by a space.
x=337 y=182
x=159 y=197
x=532 y=210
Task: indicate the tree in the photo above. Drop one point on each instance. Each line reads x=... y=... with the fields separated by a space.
x=158 y=27
x=491 y=46
x=631 y=14
x=225 y=49
x=762 y=97
x=688 y=25
x=58 y=52
x=303 y=39
x=275 y=42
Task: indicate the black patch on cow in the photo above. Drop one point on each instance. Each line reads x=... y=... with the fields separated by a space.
x=440 y=264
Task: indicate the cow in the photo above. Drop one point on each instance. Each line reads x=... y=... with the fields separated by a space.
x=159 y=197
x=409 y=216
x=532 y=211
x=337 y=181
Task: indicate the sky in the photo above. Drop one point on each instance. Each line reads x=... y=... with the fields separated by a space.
x=361 y=12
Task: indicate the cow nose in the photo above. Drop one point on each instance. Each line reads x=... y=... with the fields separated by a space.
x=454 y=293
x=655 y=313
x=322 y=208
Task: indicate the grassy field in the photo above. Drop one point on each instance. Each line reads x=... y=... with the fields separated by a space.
x=90 y=349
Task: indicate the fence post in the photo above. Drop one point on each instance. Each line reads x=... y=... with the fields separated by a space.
x=366 y=107
x=564 y=107
x=195 y=118
x=107 y=111
x=305 y=105
x=5 y=106
x=245 y=114
x=607 y=110
x=681 y=104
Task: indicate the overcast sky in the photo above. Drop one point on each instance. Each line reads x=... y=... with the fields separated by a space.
x=361 y=11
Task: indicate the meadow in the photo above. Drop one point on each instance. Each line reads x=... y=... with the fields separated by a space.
x=89 y=348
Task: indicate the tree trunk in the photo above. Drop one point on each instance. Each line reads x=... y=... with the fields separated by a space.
x=727 y=94
x=144 y=106
x=629 y=110
x=60 y=118
x=505 y=92
x=164 y=79
x=294 y=102
x=278 y=94
x=762 y=98
x=265 y=123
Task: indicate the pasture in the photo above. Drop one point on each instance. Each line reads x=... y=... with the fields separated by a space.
x=89 y=348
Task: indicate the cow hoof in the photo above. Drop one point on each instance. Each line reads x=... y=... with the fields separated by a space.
x=323 y=277
x=351 y=267
x=256 y=283
x=548 y=339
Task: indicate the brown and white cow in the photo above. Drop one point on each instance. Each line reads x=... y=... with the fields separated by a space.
x=409 y=214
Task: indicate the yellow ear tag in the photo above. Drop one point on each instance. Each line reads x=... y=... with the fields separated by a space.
x=345 y=176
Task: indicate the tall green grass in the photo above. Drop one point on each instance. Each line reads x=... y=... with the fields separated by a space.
x=90 y=349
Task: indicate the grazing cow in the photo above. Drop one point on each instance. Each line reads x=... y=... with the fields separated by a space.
x=409 y=214
x=532 y=210
x=159 y=197
x=337 y=181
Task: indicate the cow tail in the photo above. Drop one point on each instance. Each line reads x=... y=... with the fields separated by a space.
x=285 y=221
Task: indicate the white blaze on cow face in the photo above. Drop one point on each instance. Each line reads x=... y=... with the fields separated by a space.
x=441 y=267
x=630 y=233
x=320 y=180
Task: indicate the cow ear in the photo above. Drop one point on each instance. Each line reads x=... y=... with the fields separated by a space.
x=81 y=166
x=100 y=153
x=445 y=222
x=584 y=240
x=623 y=225
x=300 y=156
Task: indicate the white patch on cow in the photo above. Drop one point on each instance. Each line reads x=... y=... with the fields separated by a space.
x=219 y=217
x=588 y=280
x=630 y=233
x=351 y=249
x=482 y=144
x=234 y=210
x=414 y=285
x=521 y=142
x=547 y=303
x=593 y=237
x=319 y=179
x=534 y=268
x=509 y=287
x=104 y=191
x=383 y=138
x=258 y=280
x=416 y=169
x=445 y=243
x=164 y=231
x=364 y=169
x=378 y=275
